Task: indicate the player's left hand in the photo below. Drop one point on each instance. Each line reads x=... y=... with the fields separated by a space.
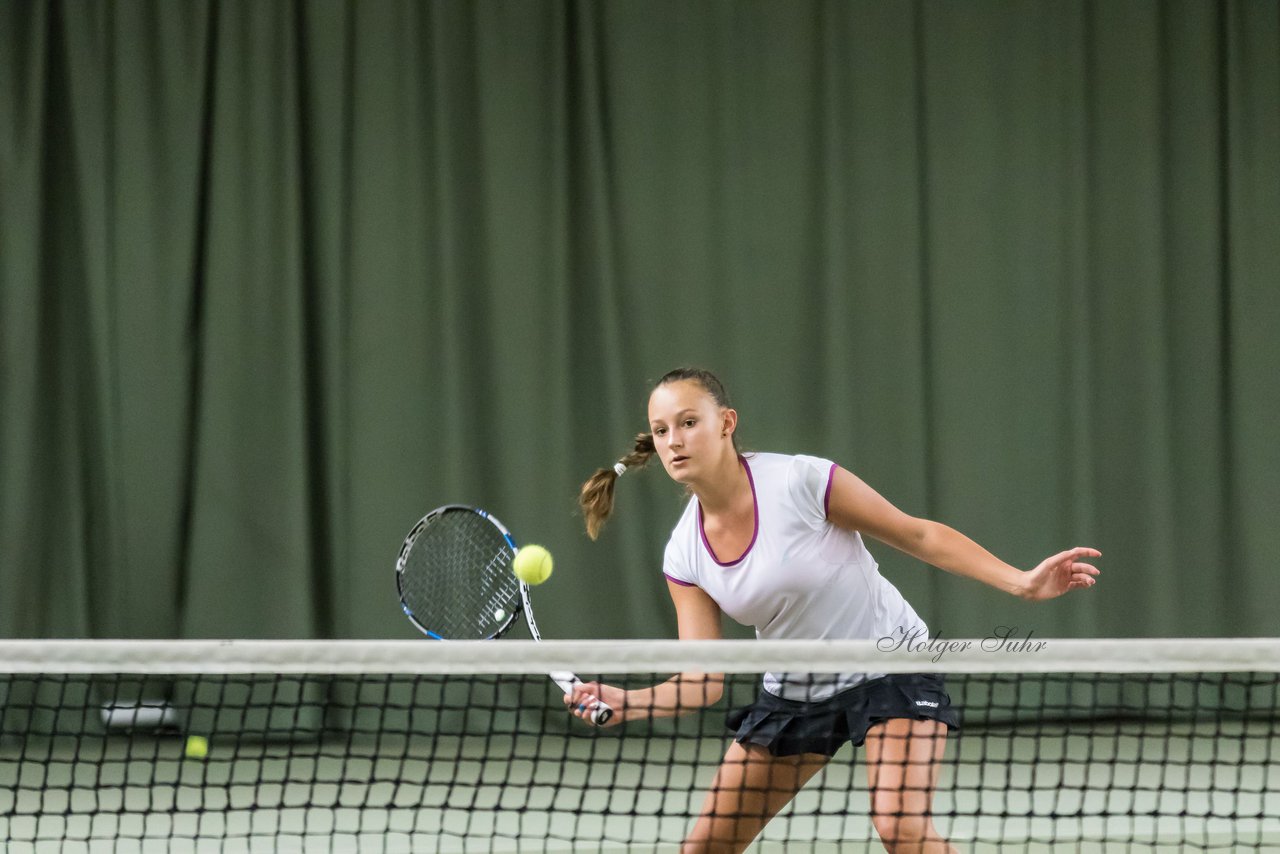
x=1061 y=573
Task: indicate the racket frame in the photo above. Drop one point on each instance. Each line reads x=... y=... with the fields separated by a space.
x=412 y=538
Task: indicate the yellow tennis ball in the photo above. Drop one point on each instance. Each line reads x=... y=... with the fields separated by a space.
x=197 y=746
x=532 y=565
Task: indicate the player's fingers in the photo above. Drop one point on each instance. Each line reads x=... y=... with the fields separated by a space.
x=571 y=699
x=1071 y=554
x=583 y=699
x=1055 y=564
x=1082 y=575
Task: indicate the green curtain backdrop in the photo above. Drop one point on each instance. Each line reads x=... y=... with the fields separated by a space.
x=276 y=278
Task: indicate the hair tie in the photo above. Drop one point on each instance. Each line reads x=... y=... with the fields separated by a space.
x=620 y=467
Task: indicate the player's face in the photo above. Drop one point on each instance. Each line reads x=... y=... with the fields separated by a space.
x=689 y=429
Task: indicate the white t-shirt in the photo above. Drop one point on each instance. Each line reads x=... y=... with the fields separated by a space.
x=800 y=578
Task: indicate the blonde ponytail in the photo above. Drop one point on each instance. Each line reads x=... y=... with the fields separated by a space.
x=596 y=497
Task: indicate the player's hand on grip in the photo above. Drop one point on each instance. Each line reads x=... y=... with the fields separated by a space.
x=1061 y=573
x=587 y=697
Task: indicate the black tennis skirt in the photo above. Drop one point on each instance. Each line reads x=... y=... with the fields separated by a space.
x=790 y=727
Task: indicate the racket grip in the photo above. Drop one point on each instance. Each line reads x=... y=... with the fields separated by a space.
x=567 y=681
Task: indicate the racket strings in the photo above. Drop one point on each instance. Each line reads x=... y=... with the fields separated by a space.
x=457 y=577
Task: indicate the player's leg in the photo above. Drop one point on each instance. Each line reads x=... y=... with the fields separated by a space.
x=904 y=758
x=749 y=789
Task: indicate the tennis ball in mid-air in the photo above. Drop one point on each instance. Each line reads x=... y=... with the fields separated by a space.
x=197 y=746
x=532 y=565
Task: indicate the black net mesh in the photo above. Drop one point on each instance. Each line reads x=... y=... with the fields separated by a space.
x=375 y=762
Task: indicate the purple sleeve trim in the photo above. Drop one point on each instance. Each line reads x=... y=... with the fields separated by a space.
x=826 y=499
x=678 y=581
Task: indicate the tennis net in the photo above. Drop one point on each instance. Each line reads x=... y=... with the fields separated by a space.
x=393 y=746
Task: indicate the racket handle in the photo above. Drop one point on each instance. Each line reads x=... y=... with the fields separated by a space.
x=567 y=681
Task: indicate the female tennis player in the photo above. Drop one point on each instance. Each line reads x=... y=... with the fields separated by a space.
x=775 y=542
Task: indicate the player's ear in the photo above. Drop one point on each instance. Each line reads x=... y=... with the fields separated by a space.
x=729 y=421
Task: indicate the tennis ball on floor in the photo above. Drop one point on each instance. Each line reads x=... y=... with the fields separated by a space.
x=197 y=746
x=532 y=565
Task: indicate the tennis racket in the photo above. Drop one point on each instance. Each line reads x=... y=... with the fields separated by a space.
x=455 y=581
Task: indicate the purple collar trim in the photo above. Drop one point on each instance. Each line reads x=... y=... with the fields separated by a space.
x=755 y=532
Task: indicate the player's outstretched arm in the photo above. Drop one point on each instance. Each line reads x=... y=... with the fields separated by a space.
x=856 y=506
